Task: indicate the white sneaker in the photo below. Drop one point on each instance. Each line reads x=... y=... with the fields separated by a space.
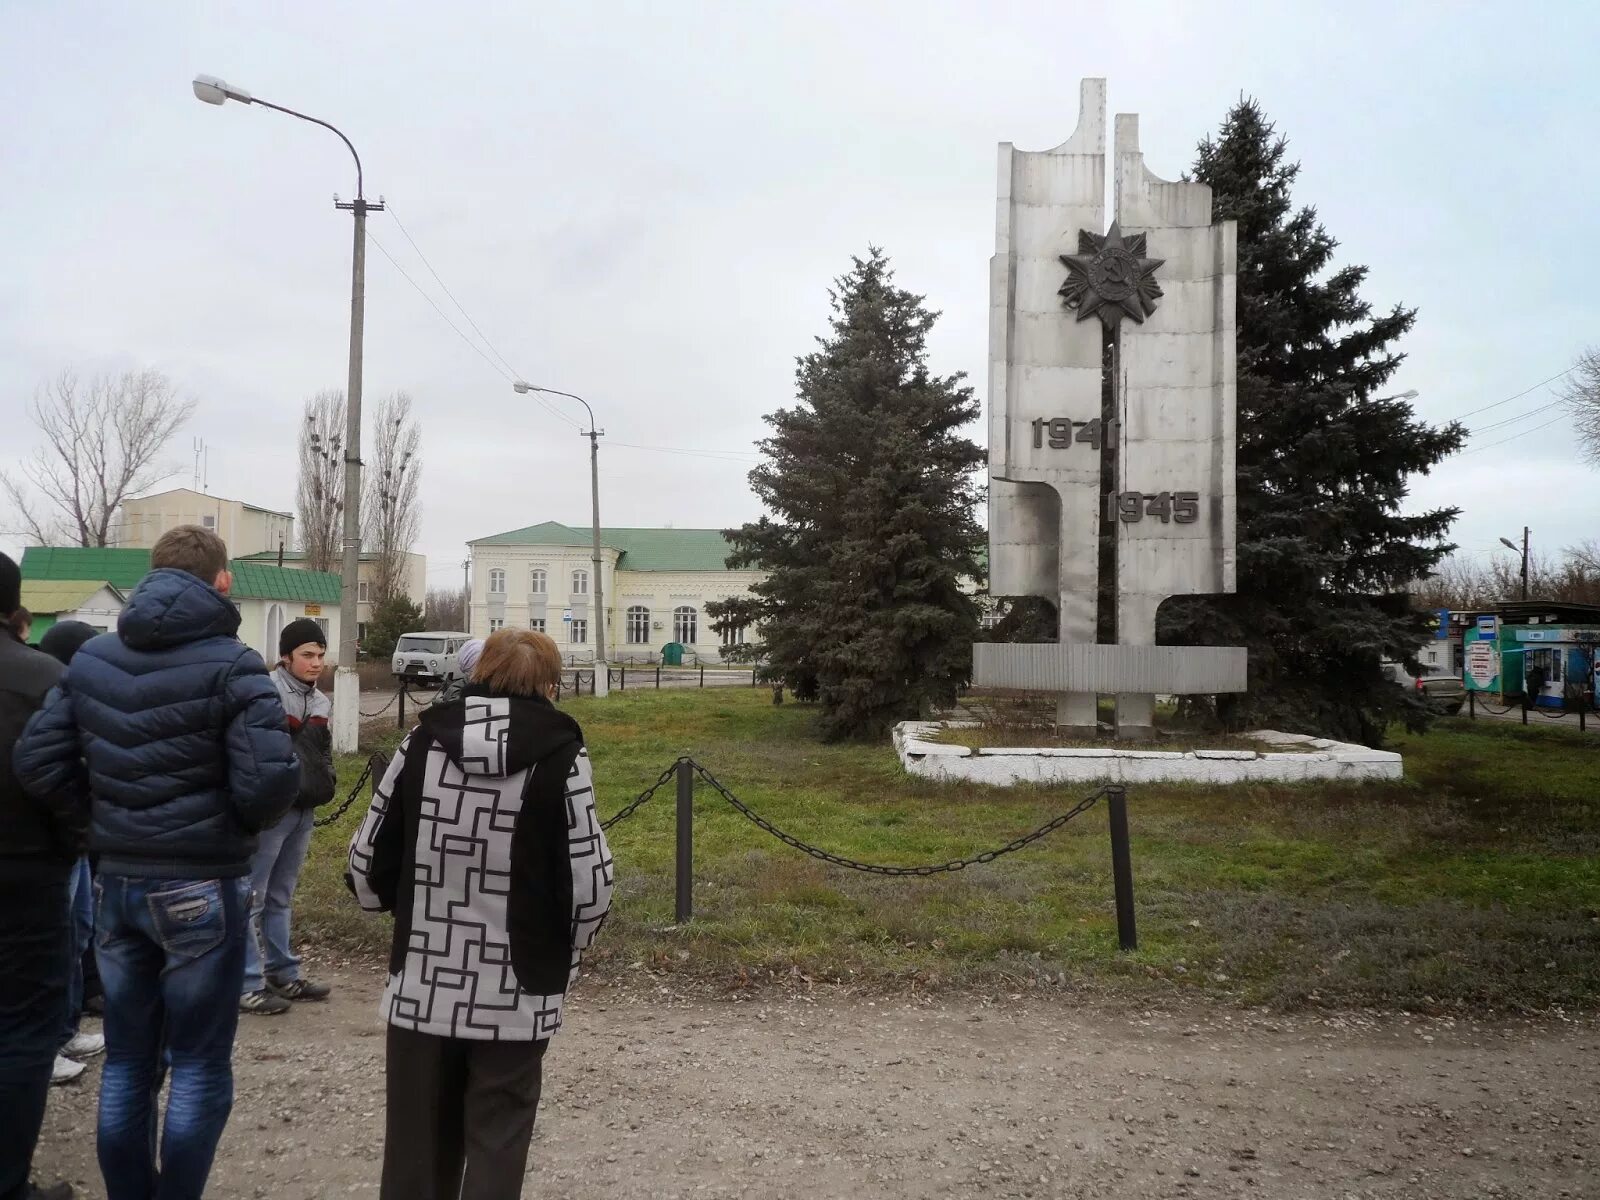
x=85 y=1045
x=65 y=1070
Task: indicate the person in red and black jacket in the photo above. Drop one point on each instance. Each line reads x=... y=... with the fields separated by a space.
x=271 y=970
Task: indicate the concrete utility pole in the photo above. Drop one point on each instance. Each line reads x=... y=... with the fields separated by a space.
x=602 y=678
x=347 y=683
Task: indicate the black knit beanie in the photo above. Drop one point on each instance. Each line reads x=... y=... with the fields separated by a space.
x=65 y=638
x=298 y=633
x=10 y=586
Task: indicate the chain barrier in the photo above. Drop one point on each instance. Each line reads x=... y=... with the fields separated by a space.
x=957 y=864
x=643 y=797
x=376 y=764
x=367 y=716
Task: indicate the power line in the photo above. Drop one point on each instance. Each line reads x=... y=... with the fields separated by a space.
x=1532 y=412
x=1515 y=436
x=1518 y=396
x=476 y=349
x=721 y=455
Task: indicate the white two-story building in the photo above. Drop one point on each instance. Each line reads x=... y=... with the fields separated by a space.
x=656 y=584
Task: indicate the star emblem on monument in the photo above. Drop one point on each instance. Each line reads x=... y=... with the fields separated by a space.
x=1111 y=276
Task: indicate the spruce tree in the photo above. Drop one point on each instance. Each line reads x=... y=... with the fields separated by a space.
x=871 y=494
x=1324 y=460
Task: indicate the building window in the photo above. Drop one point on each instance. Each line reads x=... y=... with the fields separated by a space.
x=580 y=583
x=497 y=582
x=536 y=624
x=209 y=522
x=638 y=625
x=539 y=581
x=496 y=624
x=322 y=624
x=580 y=631
x=361 y=631
x=685 y=624
x=363 y=591
x=733 y=635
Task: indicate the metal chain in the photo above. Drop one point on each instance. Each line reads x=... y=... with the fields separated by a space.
x=384 y=709
x=378 y=763
x=958 y=864
x=642 y=798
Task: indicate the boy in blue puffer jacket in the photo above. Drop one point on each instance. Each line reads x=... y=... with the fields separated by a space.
x=172 y=735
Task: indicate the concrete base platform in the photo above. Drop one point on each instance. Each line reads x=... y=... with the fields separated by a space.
x=1303 y=758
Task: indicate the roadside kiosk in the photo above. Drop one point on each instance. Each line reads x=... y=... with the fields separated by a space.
x=1543 y=651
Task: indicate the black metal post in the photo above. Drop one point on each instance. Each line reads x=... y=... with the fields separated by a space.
x=702 y=674
x=1122 y=868
x=658 y=677
x=685 y=904
x=752 y=676
x=622 y=681
x=400 y=718
x=1472 y=706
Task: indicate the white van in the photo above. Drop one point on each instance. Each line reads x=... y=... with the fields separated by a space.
x=428 y=657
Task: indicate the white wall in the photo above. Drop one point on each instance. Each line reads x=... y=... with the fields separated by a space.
x=259 y=630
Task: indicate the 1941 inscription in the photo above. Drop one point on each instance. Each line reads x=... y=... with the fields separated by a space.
x=1060 y=433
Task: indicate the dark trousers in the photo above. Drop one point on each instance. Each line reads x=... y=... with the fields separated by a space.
x=35 y=963
x=459 y=1117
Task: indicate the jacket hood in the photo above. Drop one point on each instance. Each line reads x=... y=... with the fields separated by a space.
x=496 y=736
x=171 y=607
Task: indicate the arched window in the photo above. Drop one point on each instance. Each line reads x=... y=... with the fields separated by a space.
x=733 y=635
x=580 y=582
x=539 y=581
x=638 y=625
x=497 y=582
x=685 y=624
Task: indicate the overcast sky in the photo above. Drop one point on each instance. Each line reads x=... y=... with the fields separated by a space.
x=646 y=203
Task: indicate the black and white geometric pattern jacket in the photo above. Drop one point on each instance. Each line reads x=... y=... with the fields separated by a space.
x=483 y=841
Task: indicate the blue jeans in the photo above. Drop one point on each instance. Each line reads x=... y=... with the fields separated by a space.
x=274 y=871
x=80 y=903
x=171 y=956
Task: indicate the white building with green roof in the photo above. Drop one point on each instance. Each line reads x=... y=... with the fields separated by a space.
x=656 y=584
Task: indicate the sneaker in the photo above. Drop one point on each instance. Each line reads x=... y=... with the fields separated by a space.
x=301 y=989
x=263 y=1004
x=85 y=1045
x=56 y=1191
x=65 y=1070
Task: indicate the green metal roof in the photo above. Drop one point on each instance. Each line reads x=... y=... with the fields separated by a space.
x=120 y=568
x=124 y=568
x=58 y=595
x=258 y=580
x=638 y=549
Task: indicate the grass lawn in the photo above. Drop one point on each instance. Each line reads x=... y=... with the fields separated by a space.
x=1473 y=883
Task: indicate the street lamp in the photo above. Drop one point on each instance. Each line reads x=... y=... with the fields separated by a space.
x=602 y=678
x=1510 y=545
x=347 y=683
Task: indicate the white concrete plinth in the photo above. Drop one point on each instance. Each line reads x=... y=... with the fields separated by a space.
x=346 y=710
x=1006 y=765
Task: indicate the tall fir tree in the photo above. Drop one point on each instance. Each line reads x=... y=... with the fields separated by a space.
x=1324 y=462
x=871 y=495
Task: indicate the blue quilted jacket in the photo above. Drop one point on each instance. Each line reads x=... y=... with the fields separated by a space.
x=172 y=732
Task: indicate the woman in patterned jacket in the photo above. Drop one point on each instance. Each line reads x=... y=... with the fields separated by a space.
x=483 y=842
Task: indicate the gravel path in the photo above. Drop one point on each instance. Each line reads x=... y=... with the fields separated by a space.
x=649 y=1094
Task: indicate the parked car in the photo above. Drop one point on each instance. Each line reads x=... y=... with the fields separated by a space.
x=1438 y=688
x=428 y=657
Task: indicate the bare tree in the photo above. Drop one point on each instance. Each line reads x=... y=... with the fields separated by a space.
x=1466 y=584
x=446 y=608
x=390 y=512
x=319 y=496
x=1582 y=394
x=102 y=445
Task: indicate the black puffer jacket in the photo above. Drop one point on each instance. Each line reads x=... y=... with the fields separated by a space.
x=187 y=749
x=44 y=831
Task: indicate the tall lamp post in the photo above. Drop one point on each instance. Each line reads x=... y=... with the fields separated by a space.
x=602 y=679
x=347 y=683
x=1510 y=545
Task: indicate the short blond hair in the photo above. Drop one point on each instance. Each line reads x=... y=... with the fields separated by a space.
x=193 y=549
x=518 y=662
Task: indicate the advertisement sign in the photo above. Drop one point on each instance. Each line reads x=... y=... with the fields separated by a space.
x=1483 y=666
